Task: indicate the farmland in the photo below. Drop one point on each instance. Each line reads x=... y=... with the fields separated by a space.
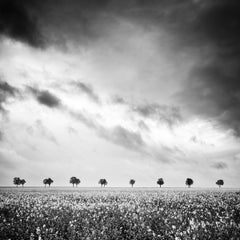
x=64 y=213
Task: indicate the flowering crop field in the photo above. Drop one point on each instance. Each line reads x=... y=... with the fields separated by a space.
x=119 y=214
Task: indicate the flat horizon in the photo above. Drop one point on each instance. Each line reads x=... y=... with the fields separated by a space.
x=120 y=89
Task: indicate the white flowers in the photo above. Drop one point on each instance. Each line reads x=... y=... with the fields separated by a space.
x=112 y=215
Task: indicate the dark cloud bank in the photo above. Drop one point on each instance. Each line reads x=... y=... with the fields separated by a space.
x=209 y=29
x=18 y=20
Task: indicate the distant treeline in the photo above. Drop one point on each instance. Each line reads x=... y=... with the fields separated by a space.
x=103 y=182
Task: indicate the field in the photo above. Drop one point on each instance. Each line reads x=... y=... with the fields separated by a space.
x=64 y=213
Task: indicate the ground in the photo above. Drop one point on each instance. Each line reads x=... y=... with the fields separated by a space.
x=119 y=213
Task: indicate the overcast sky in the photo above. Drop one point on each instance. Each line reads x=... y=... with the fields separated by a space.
x=116 y=89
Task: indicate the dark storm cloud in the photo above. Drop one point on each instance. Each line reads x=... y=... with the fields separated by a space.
x=18 y=20
x=168 y=114
x=213 y=87
x=1 y=135
x=213 y=92
x=45 y=97
x=6 y=90
x=219 y=165
x=88 y=90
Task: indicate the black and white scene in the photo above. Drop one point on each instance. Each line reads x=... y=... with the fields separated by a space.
x=119 y=119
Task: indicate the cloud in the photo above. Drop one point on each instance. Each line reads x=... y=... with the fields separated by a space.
x=45 y=97
x=212 y=89
x=196 y=140
x=219 y=165
x=83 y=117
x=18 y=20
x=5 y=163
x=88 y=90
x=118 y=100
x=168 y=114
x=143 y=126
x=39 y=127
x=213 y=93
x=6 y=91
x=123 y=137
x=117 y=134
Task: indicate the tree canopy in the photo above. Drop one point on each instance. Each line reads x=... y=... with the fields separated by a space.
x=16 y=181
x=132 y=182
x=48 y=181
x=160 y=182
x=103 y=182
x=22 y=181
x=220 y=182
x=74 y=180
x=189 y=182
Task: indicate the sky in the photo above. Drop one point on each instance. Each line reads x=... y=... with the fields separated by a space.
x=124 y=89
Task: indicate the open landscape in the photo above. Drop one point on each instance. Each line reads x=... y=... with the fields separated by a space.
x=119 y=213
x=133 y=106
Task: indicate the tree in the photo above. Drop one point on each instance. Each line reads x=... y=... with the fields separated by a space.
x=132 y=182
x=48 y=181
x=16 y=181
x=73 y=180
x=45 y=181
x=160 y=182
x=189 y=182
x=220 y=182
x=77 y=181
x=22 y=182
x=103 y=182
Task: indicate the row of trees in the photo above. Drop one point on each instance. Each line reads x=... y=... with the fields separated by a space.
x=18 y=181
x=103 y=182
